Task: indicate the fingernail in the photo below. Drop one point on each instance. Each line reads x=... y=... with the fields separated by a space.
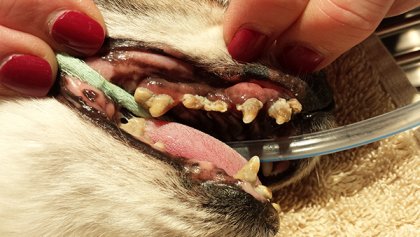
x=78 y=32
x=26 y=74
x=247 y=45
x=299 y=59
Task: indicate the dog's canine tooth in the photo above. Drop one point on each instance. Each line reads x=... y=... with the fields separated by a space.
x=250 y=109
x=295 y=105
x=249 y=171
x=160 y=104
x=280 y=111
x=264 y=191
x=267 y=168
x=193 y=101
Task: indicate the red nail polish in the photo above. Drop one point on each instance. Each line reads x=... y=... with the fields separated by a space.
x=78 y=32
x=247 y=45
x=26 y=74
x=299 y=59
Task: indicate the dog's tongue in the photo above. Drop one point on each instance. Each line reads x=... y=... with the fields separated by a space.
x=183 y=141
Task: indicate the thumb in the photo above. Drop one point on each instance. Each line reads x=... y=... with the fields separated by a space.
x=326 y=30
x=250 y=25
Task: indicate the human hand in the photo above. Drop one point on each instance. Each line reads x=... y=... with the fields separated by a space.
x=30 y=32
x=302 y=35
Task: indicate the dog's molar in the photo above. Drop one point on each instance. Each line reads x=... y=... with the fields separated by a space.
x=250 y=109
x=280 y=111
x=160 y=104
x=295 y=105
x=157 y=105
x=193 y=101
x=202 y=103
x=142 y=95
x=217 y=106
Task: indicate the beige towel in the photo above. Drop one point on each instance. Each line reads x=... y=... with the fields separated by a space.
x=373 y=190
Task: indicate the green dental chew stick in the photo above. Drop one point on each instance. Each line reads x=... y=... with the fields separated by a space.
x=79 y=69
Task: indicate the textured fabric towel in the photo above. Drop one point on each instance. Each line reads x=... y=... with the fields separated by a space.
x=373 y=190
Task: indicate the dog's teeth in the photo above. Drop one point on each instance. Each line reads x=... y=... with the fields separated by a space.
x=193 y=101
x=134 y=126
x=159 y=146
x=160 y=104
x=200 y=102
x=250 y=109
x=276 y=206
x=249 y=171
x=142 y=95
x=264 y=191
x=267 y=168
x=218 y=106
x=295 y=105
x=280 y=111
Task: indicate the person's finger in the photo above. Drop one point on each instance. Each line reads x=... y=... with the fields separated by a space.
x=250 y=25
x=27 y=64
x=401 y=6
x=326 y=30
x=75 y=27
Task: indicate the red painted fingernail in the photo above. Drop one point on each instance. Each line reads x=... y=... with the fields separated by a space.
x=78 y=32
x=247 y=45
x=299 y=59
x=26 y=74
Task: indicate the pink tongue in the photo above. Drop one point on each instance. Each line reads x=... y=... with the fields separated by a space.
x=183 y=141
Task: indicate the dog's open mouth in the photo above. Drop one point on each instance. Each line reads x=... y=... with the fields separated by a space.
x=230 y=103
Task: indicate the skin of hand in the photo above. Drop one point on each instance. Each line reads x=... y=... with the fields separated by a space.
x=32 y=30
x=301 y=35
